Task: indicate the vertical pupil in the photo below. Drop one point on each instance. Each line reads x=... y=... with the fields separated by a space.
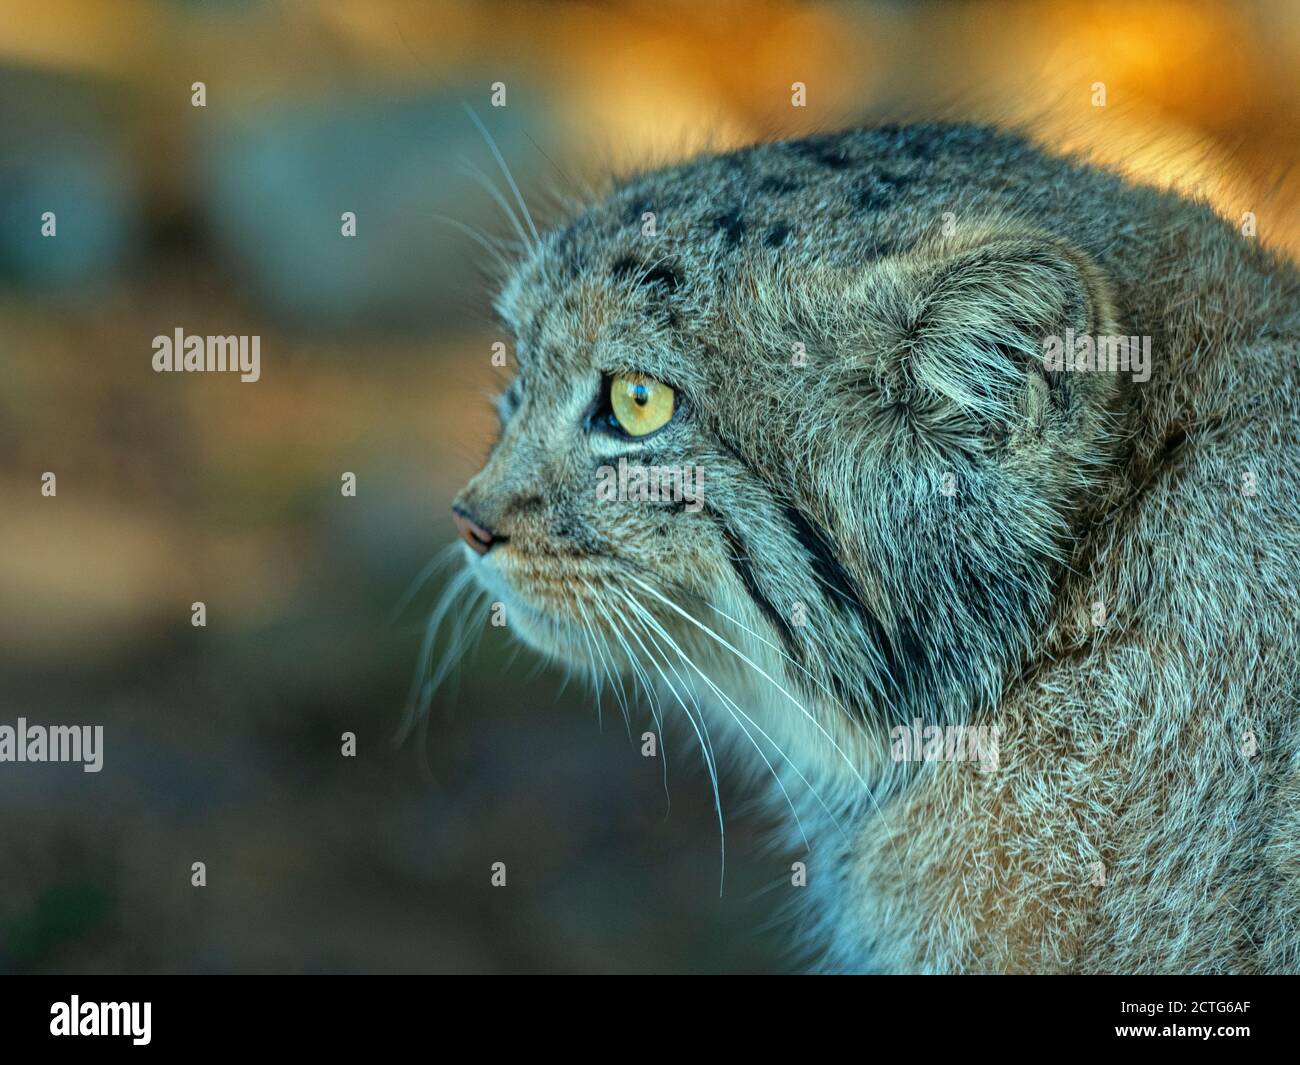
x=641 y=395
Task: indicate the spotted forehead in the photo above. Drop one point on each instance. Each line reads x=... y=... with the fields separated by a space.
x=590 y=280
x=671 y=243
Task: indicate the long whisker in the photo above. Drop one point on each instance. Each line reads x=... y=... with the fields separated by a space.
x=420 y=688
x=478 y=238
x=615 y=678
x=477 y=174
x=654 y=710
x=623 y=703
x=462 y=638
x=816 y=680
x=734 y=709
x=710 y=757
x=736 y=715
x=873 y=677
x=587 y=637
x=757 y=669
x=416 y=717
x=706 y=748
x=710 y=754
x=447 y=554
x=638 y=672
x=422 y=746
x=821 y=685
x=496 y=152
x=708 y=631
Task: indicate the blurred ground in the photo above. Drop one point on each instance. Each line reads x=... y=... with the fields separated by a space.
x=222 y=743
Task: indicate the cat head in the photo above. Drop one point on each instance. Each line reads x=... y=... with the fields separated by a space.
x=758 y=432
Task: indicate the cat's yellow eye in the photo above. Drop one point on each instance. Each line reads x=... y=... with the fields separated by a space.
x=640 y=404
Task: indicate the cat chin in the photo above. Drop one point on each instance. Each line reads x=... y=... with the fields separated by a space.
x=542 y=631
x=549 y=637
x=563 y=640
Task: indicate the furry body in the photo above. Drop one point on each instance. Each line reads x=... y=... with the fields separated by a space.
x=920 y=521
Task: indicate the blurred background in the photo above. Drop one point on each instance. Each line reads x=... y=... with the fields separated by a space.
x=222 y=744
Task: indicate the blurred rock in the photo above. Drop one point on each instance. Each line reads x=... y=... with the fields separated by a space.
x=61 y=153
x=276 y=182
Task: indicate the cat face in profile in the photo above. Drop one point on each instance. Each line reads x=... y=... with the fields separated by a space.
x=887 y=476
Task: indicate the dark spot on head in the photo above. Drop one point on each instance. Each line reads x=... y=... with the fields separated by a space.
x=878 y=191
x=912 y=142
x=627 y=266
x=779 y=185
x=637 y=209
x=878 y=246
x=731 y=225
x=871 y=196
x=570 y=248
x=661 y=275
x=824 y=149
x=666 y=276
x=776 y=235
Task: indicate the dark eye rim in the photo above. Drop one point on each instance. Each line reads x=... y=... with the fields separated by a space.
x=600 y=416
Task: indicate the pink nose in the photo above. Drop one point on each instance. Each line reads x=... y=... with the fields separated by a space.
x=479 y=538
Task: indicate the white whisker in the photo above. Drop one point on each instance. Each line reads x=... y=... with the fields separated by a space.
x=475 y=172
x=736 y=713
x=654 y=713
x=638 y=672
x=708 y=631
x=415 y=700
x=478 y=238
x=446 y=555
x=849 y=715
x=733 y=708
x=496 y=153
x=706 y=748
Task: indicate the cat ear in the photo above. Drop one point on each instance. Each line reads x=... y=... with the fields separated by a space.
x=988 y=319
